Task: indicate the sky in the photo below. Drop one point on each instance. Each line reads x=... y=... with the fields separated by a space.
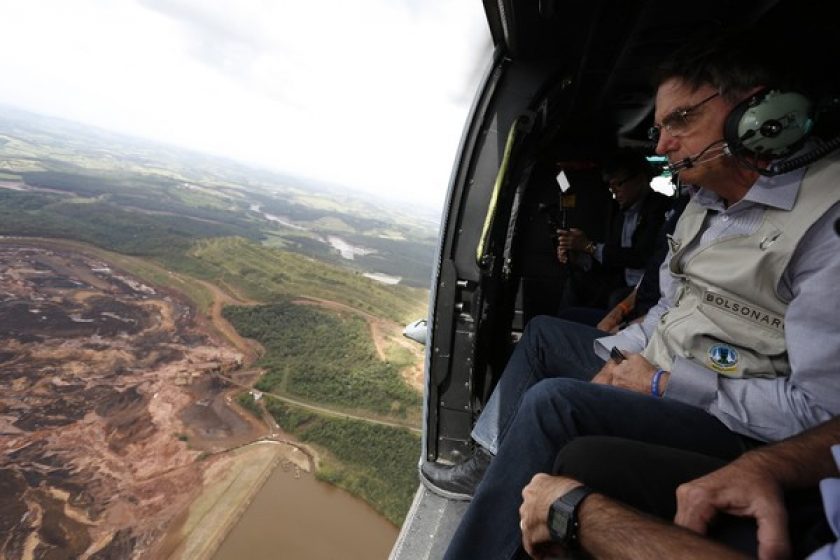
x=367 y=94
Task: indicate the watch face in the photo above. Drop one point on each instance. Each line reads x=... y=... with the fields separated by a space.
x=558 y=521
x=562 y=516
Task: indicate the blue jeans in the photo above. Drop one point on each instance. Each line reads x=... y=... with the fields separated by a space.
x=584 y=315
x=549 y=347
x=552 y=413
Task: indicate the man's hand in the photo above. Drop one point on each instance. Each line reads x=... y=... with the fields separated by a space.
x=743 y=488
x=611 y=321
x=634 y=373
x=572 y=240
x=616 y=315
x=537 y=498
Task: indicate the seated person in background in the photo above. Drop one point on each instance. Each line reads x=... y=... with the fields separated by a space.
x=695 y=375
x=767 y=497
x=632 y=227
x=646 y=293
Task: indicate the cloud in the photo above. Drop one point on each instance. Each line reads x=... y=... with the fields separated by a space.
x=371 y=94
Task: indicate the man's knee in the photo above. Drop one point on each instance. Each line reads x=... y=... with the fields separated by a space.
x=563 y=392
x=617 y=468
x=585 y=455
x=637 y=473
x=545 y=395
x=537 y=327
x=547 y=329
x=551 y=402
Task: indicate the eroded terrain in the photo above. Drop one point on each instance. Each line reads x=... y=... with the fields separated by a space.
x=107 y=403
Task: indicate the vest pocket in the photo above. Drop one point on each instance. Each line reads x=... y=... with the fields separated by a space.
x=737 y=340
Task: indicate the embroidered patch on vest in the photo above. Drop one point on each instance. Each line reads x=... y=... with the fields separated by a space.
x=723 y=358
x=746 y=311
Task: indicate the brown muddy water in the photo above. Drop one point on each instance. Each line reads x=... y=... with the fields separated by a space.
x=296 y=517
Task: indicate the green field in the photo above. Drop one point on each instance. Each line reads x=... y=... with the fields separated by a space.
x=267 y=274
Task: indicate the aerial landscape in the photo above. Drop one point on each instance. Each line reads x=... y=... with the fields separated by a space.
x=178 y=329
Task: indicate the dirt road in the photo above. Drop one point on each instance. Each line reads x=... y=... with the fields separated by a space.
x=251 y=349
x=328 y=411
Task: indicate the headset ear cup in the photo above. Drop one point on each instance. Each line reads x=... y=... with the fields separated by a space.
x=732 y=124
x=769 y=124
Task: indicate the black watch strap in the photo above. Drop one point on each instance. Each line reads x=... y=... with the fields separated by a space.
x=562 y=516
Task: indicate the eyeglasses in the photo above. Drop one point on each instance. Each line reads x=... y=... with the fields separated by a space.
x=616 y=184
x=676 y=123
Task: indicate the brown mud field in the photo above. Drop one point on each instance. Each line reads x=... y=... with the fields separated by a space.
x=110 y=410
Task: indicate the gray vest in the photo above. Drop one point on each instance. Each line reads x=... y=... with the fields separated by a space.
x=727 y=313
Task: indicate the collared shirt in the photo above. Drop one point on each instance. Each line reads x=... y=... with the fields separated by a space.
x=830 y=489
x=773 y=408
x=629 y=223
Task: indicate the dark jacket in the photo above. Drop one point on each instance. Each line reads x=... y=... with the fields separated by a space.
x=648 y=292
x=599 y=286
x=651 y=217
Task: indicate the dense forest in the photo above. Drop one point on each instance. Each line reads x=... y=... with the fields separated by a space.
x=328 y=358
x=107 y=225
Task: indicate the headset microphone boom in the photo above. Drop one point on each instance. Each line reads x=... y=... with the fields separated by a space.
x=698 y=159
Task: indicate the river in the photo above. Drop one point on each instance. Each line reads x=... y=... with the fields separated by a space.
x=296 y=517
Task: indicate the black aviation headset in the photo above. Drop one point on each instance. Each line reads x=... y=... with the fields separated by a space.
x=773 y=124
x=770 y=124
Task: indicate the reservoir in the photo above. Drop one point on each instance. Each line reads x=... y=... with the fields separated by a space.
x=296 y=517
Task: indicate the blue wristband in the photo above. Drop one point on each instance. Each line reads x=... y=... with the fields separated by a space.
x=654 y=382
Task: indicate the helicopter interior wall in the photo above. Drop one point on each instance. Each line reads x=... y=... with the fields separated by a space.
x=462 y=357
x=515 y=95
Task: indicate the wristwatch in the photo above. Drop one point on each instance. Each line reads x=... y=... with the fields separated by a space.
x=562 y=516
